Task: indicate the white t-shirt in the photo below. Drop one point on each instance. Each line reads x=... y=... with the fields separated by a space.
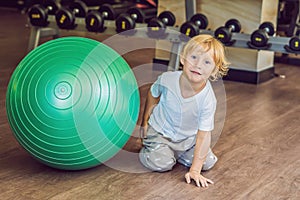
x=179 y=118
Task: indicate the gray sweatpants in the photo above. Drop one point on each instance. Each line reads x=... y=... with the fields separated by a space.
x=160 y=153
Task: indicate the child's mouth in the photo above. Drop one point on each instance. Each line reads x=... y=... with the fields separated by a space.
x=194 y=72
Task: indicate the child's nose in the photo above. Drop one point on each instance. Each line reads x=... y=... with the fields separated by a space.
x=198 y=63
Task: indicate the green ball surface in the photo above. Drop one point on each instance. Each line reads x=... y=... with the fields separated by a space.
x=72 y=103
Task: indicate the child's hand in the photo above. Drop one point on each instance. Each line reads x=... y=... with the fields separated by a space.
x=198 y=178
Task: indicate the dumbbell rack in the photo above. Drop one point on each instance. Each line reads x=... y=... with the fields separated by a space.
x=172 y=35
x=39 y=32
x=276 y=43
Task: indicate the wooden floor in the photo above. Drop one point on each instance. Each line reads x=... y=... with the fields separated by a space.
x=258 y=151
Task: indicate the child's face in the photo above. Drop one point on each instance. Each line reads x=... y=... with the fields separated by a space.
x=198 y=65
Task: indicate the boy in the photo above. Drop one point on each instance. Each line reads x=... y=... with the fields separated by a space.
x=179 y=112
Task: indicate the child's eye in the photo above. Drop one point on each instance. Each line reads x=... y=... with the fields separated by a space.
x=193 y=56
x=207 y=62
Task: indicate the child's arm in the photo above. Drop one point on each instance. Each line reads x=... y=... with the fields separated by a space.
x=201 y=149
x=149 y=105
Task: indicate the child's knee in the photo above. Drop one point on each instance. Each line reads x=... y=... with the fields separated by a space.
x=186 y=159
x=160 y=159
x=210 y=161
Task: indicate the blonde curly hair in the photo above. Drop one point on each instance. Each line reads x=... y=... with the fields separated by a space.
x=208 y=42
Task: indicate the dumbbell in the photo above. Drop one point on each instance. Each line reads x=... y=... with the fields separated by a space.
x=94 y=20
x=111 y=12
x=294 y=45
x=192 y=27
x=224 y=33
x=260 y=37
x=157 y=25
x=65 y=17
x=142 y=15
x=38 y=14
x=127 y=21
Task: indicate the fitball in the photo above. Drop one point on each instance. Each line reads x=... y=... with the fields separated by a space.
x=72 y=103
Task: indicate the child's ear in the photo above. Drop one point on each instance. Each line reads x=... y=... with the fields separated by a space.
x=181 y=60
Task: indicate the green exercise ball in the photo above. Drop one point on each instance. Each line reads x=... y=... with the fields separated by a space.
x=72 y=103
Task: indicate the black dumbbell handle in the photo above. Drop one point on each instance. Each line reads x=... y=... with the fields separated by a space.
x=51 y=6
x=198 y=22
x=134 y=16
x=45 y=8
x=141 y=15
x=48 y=8
x=104 y=14
x=75 y=10
x=114 y=10
x=233 y=25
x=167 y=18
x=78 y=8
x=164 y=20
x=231 y=28
x=266 y=29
